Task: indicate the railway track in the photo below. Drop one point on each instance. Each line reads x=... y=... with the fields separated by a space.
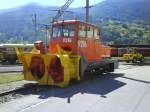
x=10 y=68
x=18 y=90
x=36 y=89
x=17 y=93
x=11 y=71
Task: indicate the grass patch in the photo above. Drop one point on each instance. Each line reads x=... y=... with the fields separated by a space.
x=6 y=78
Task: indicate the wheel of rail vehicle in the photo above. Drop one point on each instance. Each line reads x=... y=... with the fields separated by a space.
x=134 y=60
x=11 y=61
x=141 y=59
x=82 y=67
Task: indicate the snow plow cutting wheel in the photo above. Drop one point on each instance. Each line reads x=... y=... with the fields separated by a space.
x=74 y=48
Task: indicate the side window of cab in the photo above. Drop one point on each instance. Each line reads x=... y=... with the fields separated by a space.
x=90 y=32
x=96 y=33
x=82 y=31
x=86 y=31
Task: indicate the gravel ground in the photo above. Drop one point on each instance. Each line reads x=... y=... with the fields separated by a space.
x=9 y=97
x=10 y=87
x=13 y=85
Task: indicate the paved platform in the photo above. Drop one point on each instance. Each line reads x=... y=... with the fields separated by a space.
x=125 y=90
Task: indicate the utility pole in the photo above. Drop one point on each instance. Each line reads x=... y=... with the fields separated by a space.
x=34 y=20
x=47 y=36
x=87 y=10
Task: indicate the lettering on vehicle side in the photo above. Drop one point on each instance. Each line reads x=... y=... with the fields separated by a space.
x=82 y=44
x=67 y=40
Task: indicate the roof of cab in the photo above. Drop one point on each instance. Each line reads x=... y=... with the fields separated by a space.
x=73 y=22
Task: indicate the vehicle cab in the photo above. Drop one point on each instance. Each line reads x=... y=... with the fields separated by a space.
x=78 y=37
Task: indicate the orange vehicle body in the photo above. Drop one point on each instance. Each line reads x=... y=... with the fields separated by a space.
x=84 y=40
x=74 y=50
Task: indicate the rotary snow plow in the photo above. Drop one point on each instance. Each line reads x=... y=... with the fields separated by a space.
x=50 y=69
x=74 y=48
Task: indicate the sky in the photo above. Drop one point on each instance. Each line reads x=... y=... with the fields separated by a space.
x=6 y=4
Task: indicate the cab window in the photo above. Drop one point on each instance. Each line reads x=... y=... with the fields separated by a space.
x=86 y=31
x=56 y=31
x=96 y=33
x=64 y=31
x=82 y=31
x=90 y=31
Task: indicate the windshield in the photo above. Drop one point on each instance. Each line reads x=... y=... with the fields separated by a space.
x=63 y=31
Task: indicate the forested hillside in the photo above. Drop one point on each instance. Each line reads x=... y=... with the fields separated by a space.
x=122 y=32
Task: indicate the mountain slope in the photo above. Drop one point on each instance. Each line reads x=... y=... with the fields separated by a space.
x=16 y=23
x=123 y=9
